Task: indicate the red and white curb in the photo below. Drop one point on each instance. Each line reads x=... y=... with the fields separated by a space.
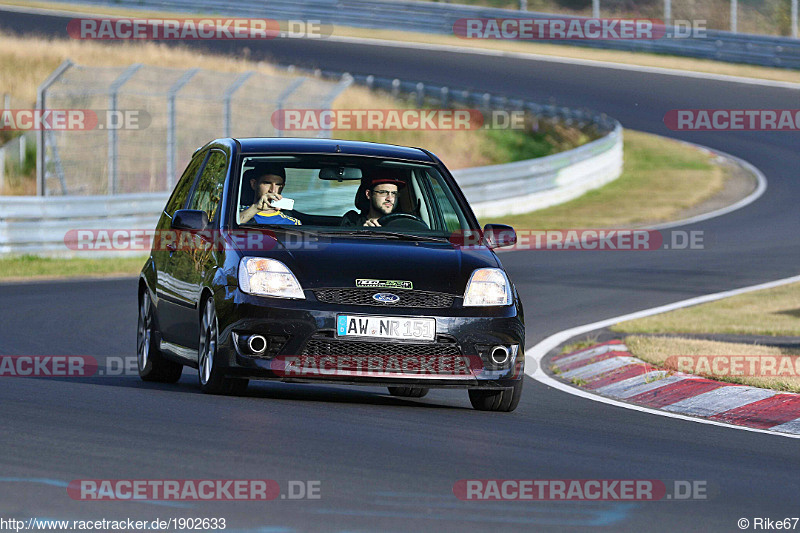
x=536 y=356
x=610 y=370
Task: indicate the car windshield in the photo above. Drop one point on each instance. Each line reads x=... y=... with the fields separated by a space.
x=356 y=195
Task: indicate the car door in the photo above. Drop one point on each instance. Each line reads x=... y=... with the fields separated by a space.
x=188 y=265
x=165 y=246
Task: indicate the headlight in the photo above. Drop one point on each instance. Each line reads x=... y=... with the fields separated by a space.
x=487 y=286
x=268 y=277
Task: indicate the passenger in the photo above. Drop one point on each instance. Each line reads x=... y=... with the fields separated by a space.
x=267 y=182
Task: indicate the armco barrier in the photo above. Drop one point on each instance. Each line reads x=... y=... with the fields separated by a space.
x=433 y=17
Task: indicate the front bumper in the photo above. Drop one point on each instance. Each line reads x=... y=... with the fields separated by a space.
x=304 y=347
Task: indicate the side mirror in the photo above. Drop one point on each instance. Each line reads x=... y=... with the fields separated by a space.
x=499 y=235
x=189 y=219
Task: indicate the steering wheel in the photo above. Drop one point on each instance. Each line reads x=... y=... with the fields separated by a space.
x=406 y=220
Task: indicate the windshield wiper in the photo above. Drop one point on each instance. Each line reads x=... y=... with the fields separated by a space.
x=375 y=232
x=411 y=236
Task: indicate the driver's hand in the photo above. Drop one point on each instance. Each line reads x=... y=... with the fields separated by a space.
x=263 y=202
x=373 y=222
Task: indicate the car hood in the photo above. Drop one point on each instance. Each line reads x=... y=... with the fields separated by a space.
x=338 y=261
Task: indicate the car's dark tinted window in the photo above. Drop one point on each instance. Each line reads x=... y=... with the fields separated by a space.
x=208 y=191
x=181 y=192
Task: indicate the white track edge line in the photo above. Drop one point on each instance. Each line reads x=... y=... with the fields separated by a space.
x=497 y=53
x=537 y=353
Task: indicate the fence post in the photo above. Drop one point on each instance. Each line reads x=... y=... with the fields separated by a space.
x=173 y=91
x=794 y=19
x=343 y=84
x=235 y=86
x=596 y=9
x=284 y=95
x=734 y=15
x=41 y=145
x=113 y=89
x=667 y=12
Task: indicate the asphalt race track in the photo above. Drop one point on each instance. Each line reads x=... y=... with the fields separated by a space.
x=387 y=464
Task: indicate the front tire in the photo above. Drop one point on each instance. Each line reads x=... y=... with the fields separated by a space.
x=501 y=400
x=211 y=375
x=152 y=365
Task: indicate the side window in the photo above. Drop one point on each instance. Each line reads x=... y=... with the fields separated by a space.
x=208 y=192
x=445 y=201
x=181 y=192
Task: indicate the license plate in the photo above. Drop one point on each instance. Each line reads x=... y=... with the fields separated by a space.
x=387 y=327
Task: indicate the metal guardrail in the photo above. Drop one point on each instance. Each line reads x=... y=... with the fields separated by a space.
x=430 y=17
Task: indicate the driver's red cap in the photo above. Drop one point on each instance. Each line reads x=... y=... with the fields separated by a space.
x=385 y=176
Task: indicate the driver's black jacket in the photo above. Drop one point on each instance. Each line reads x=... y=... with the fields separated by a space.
x=353 y=218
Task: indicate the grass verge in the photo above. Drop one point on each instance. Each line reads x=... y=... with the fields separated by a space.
x=661 y=178
x=611 y=56
x=773 y=311
x=771 y=368
x=28 y=267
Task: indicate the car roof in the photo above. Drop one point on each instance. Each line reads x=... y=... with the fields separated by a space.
x=255 y=145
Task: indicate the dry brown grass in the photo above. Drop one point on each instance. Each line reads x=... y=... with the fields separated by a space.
x=767 y=312
x=659 y=350
x=26 y=62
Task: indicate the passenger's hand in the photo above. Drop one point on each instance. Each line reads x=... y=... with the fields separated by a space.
x=264 y=201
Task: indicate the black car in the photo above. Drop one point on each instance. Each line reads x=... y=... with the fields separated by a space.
x=403 y=291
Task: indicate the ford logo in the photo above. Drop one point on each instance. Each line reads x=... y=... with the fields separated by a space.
x=386 y=297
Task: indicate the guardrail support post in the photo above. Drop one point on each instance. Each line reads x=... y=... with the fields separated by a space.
x=794 y=19
x=596 y=9
x=667 y=12
x=171 y=94
x=113 y=90
x=734 y=15
x=41 y=145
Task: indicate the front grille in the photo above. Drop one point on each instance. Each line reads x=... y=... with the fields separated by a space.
x=348 y=296
x=360 y=348
x=375 y=358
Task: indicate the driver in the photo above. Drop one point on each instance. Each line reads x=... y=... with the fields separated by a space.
x=381 y=194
